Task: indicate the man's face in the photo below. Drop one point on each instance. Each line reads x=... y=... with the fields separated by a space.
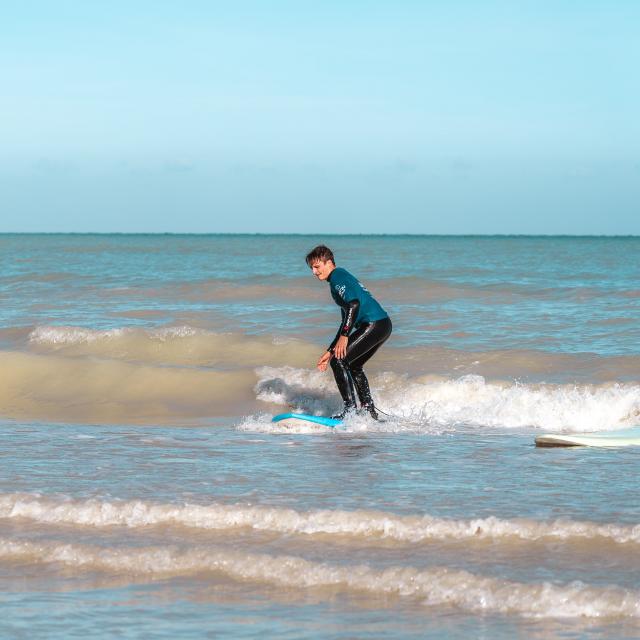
x=322 y=269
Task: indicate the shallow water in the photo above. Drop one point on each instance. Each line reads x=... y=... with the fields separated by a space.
x=145 y=493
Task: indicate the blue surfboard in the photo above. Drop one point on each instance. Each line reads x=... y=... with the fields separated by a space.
x=302 y=419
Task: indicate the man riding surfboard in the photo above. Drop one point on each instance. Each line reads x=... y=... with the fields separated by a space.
x=364 y=327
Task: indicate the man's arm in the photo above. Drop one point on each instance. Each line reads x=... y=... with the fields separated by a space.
x=338 y=333
x=349 y=315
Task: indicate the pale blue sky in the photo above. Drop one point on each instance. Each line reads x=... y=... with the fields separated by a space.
x=296 y=116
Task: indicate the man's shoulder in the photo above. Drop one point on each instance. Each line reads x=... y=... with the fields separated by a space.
x=340 y=274
x=343 y=284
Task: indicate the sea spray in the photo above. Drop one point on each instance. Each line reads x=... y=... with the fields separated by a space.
x=425 y=402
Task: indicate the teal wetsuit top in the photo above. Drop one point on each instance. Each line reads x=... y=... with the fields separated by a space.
x=346 y=289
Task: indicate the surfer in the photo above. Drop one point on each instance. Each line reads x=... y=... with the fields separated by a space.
x=364 y=327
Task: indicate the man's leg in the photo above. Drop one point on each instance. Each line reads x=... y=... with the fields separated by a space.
x=345 y=385
x=363 y=343
x=364 y=393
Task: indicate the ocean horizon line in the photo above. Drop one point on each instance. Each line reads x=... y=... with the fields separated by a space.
x=315 y=234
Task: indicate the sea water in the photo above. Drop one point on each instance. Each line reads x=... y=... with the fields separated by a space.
x=144 y=491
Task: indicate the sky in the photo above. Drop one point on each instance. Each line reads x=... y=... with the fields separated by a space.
x=346 y=116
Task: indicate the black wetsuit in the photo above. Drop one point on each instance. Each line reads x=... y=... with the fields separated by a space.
x=367 y=325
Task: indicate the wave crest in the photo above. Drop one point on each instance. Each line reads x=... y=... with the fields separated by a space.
x=369 y=526
x=173 y=345
x=427 y=402
x=434 y=587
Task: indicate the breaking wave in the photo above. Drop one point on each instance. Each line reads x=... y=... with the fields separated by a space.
x=427 y=402
x=434 y=587
x=365 y=525
x=176 y=373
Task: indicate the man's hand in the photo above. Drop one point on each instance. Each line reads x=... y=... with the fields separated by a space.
x=340 y=350
x=324 y=361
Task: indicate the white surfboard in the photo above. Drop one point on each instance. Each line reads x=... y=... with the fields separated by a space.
x=622 y=438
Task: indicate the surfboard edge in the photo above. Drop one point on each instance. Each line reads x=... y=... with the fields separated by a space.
x=302 y=418
x=622 y=438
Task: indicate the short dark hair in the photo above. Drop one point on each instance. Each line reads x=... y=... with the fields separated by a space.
x=320 y=253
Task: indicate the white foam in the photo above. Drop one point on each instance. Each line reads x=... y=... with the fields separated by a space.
x=69 y=335
x=368 y=526
x=59 y=336
x=428 y=403
x=307 y=389
x=434 y=587
x=167 y=333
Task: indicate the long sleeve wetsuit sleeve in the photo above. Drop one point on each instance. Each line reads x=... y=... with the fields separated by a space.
x=349 y=315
